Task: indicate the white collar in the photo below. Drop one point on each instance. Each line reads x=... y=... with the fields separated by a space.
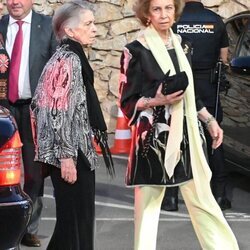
x=27 y=19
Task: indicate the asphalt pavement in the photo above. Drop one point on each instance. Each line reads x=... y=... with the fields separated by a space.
x=114 y=214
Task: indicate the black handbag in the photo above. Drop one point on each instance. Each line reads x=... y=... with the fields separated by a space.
x=174 y=83
x=171 y=84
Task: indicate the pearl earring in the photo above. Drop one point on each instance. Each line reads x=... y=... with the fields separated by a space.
x=148 y=22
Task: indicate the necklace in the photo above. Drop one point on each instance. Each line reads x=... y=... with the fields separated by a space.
x=169 y=43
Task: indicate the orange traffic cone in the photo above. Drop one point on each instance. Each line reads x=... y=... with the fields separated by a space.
x=122 y=139
x=97 y=148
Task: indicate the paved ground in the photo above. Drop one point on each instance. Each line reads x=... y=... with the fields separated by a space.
x=114 y=215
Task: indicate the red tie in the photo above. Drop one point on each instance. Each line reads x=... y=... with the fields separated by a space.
x=15 y=64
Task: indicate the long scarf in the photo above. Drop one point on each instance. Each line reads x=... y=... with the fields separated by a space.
x=96 y=118
x=200 y=168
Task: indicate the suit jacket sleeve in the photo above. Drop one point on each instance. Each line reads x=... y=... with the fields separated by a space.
x=42 y=46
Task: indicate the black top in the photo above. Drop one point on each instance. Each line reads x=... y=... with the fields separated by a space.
x=140 y=76
x=146 y=73
x=207 y=32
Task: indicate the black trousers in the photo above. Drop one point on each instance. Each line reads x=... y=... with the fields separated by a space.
x=33 y=172
x=207 y=90
x=217 y=162
x=75 y=209
x=33 y=177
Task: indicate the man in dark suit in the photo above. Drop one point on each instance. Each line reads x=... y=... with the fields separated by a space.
x=38 y=44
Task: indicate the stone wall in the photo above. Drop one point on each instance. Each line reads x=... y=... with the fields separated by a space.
x=116 y=27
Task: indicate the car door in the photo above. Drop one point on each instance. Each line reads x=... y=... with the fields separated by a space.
x=236 y=104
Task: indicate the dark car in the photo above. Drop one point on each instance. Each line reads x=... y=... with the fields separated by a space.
x=15 y=205
x=236 y=103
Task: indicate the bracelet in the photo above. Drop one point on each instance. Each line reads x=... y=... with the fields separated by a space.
x=146 y=102
x=209 y=120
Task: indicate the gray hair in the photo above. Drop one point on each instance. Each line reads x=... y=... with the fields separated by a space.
x=68 y=14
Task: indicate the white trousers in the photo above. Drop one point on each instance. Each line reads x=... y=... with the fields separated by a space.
x=211 y=228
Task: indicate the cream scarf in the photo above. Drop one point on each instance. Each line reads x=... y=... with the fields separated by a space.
x=200 y=168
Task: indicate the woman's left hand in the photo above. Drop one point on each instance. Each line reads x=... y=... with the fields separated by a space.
x=68 y=170
x=216 y=133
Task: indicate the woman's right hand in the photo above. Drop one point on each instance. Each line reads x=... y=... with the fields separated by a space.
x=161 y=99
x=68 y=170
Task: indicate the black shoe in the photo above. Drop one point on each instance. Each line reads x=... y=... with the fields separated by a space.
x=170 y=204
x=30 y=240
x=224 y=203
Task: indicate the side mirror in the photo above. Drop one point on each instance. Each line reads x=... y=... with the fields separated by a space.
x=241 y=65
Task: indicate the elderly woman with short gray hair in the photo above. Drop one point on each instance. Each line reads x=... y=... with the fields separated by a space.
x=63 y=124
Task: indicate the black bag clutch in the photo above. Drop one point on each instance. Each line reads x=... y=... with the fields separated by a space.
x=170 y=84
x=174 y=83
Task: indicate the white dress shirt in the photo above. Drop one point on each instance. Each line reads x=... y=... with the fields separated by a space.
x=24 y=79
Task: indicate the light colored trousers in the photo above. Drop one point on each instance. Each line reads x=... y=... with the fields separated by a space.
x=211 y=228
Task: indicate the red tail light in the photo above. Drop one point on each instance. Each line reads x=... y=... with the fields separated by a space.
x=10 y=161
